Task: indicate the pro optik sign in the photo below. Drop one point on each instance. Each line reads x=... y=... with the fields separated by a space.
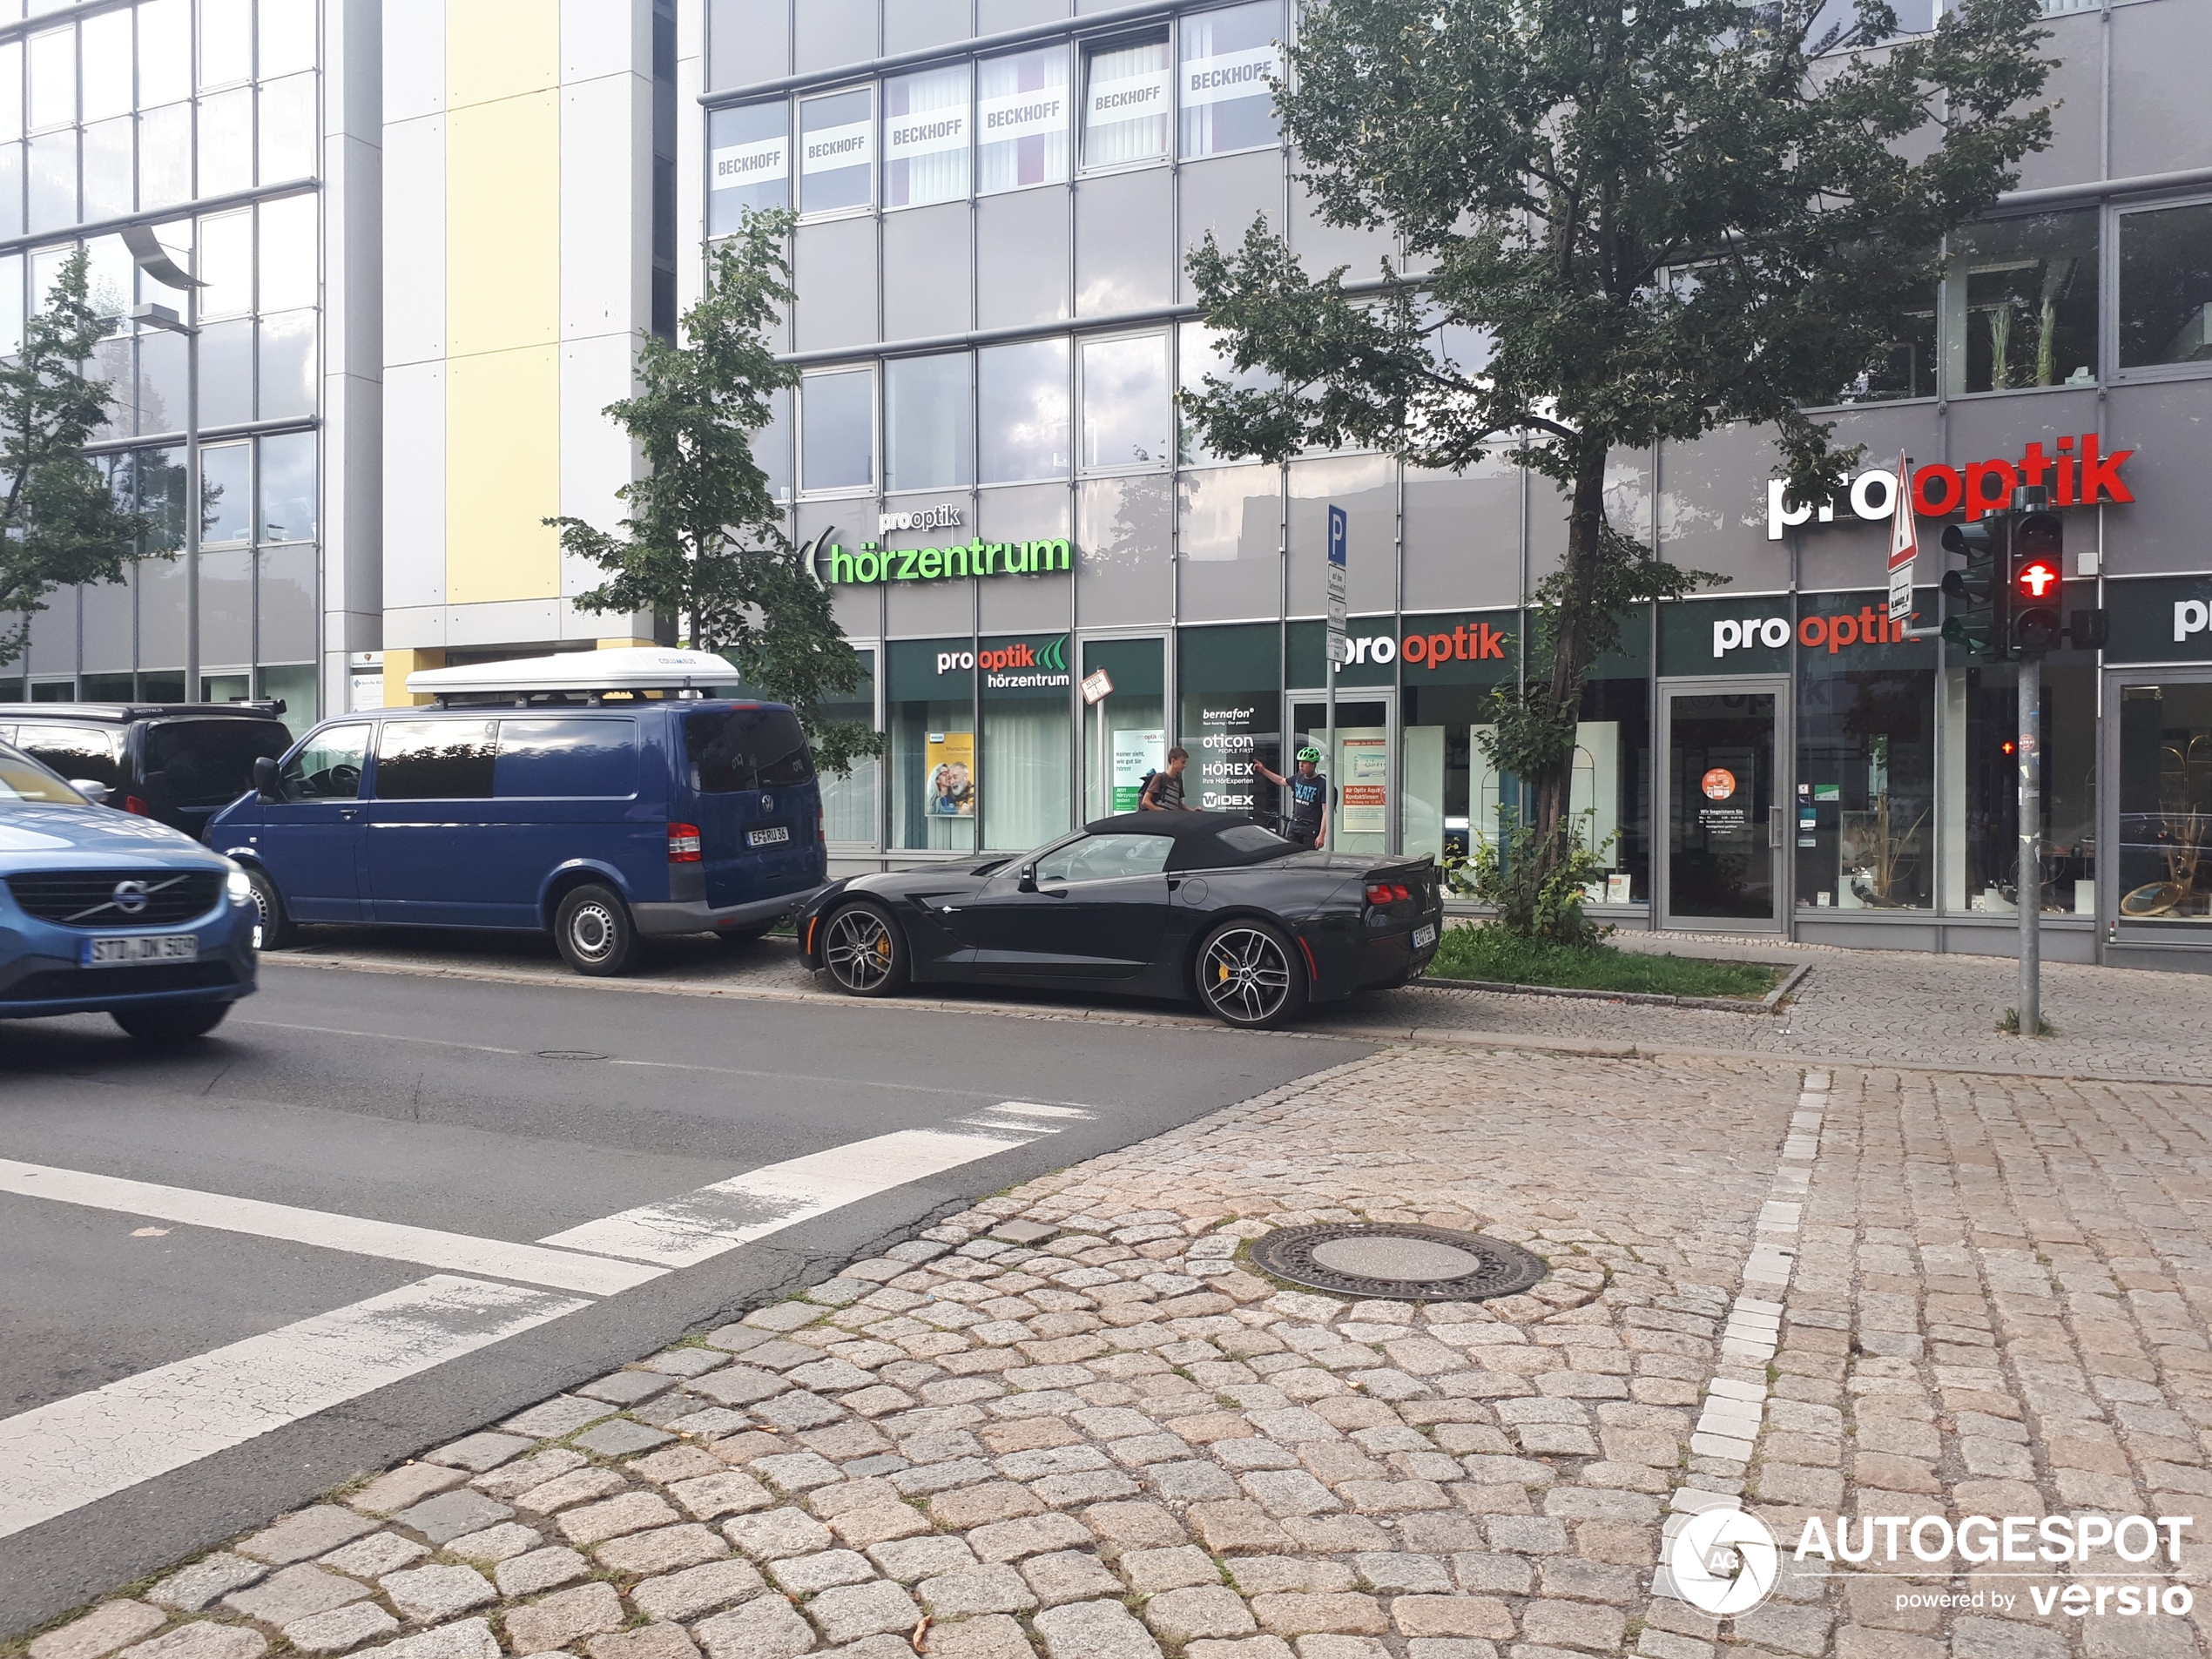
x=2075 y=470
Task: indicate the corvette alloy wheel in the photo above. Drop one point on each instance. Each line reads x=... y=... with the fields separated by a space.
x=862 y=953
x=1247 y=977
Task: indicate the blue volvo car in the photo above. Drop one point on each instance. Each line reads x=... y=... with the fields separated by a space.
x=104 y=913
x=598 y=795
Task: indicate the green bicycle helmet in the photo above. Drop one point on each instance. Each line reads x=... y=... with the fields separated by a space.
x=1309 y=752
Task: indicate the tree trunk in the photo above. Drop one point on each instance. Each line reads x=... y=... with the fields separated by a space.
x=1552 y=784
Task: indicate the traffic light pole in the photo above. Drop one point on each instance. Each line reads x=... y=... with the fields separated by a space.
x=2030 y=891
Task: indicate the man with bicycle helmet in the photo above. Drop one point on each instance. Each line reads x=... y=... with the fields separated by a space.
x=1307 y=799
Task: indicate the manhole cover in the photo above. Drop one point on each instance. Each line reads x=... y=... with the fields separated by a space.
x=1402 y=1263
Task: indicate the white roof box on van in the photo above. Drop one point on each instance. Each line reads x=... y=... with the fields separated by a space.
x=633 y=668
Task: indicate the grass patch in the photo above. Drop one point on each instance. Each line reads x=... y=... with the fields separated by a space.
x=1490 y=953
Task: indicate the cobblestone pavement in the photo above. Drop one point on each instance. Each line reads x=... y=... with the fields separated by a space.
x=1074 y=1422
x=1897 y=1007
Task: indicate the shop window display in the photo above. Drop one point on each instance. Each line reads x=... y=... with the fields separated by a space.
x=1124 y=732
x=1023 y=772
x=1865 y=818
x=931 y=713
x=1981 y=793
x=1229 y=687
x=2164 y=872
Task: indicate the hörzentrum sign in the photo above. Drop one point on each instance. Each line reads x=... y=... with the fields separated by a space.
x=2076 y=471
x=872 y=564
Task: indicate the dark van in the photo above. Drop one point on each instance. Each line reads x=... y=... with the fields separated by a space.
x=175 y=762
x=604 y=820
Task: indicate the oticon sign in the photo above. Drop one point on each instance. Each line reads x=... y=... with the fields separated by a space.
x=2075 y=470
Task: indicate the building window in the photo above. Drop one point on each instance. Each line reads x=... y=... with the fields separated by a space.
x=226 y=42
x=2022 y=301
x=106 y=70
x=837 y=430
x=1906 y=364
x=849 y=810
x=1022 y=119
x=1128 y=91
x=1981 y=793
x=837 y=152
x=164 y=52
x=748 y=164
x=2166 y=286
x=771 y=446
x=2166 y=803
x=1023 y=394
x=1126 y=418
x=227 y=489
x=931 y=705
x=1125 y=733
x=53 y=79
x=1229 y=57
x=289 y=487
x=1864 y=821
x=925 y=138
x=930 y=425
x=1229 y=687
x=1027 y=732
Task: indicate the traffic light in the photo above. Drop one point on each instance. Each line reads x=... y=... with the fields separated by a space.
x=1979 y=612
x=2037 y=573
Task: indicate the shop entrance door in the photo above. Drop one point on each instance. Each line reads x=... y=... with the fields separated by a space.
x=1362 y=773
x=1725 y=866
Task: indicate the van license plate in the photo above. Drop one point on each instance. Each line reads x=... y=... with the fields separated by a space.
x=141 y=948
x=766 y=837
x=1424 y=936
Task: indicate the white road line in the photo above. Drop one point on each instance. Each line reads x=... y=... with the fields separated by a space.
x=357 y=1235
x=60 y=1457
x=704 y=1223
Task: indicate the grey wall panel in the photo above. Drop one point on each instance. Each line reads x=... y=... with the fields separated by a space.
x=1222 y=196
x=2169 y=428
x=2158 y=123
x=1124 y=572
x=1463 y=537
x=161 y=613
x=53 y=635
x=1027 y=513
x=2001 y=428
x=1547 y=528
x=834 y=265
x=1024 y=513
x=1850 y=553
x=1323 y=247
x=993 y=16
x=110 y=610
x=2076 y=87
x=859 y=611
x=1231 y=527
x=1021 y=258
x=926 y=286
x=834 y=33
x=1025 y=603
x=908 y=25
x=747 y=41
x=1365 y=487
x=1125 y=242
x=930 y=607
x=1712 y=508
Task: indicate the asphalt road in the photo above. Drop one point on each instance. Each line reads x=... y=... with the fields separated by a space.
x=486 y=1112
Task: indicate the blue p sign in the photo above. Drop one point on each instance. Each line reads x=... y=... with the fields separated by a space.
x=1339 y=534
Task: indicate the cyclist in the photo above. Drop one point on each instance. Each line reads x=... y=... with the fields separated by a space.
x=1309 y=796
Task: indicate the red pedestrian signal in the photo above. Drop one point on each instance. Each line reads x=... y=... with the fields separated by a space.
x=2036 y=578
x=2038 y=574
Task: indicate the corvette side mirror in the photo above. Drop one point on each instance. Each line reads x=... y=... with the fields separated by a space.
x=265 y=777
x=1028 y=883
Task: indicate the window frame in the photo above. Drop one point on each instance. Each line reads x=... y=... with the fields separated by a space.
x=886 y=366
x=1071 y=339
x=871 y=367
x=868 y=203
x=1288 y=16
x=1080 y=434
x=2116 y=214
x=975 y=191
x=2106 y=330
x=1088 y=49
x=967 y=66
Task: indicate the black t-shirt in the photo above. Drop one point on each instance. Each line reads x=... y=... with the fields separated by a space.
x=1305 y=800
x=1166 y=791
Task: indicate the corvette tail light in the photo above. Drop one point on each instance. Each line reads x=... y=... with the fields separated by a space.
x=682 y=843
x=1383 y=892
x=132 y=804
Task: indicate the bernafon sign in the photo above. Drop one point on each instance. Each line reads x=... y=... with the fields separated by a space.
x=2075 y=470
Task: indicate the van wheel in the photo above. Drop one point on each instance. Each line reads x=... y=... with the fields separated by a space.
x=272 y=929
x=1250 y=975
x=865 y=952
x=172 y=1027
x=595 y=932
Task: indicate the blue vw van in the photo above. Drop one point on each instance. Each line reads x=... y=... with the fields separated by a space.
x=620 y=805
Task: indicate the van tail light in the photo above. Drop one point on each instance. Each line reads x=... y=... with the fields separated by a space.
x=682 y=843
x=132 y=804
x=821 y=826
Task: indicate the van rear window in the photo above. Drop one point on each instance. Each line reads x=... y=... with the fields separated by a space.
x=736 y=749
x=91 y=752
x=207 y=763
x=593 y=758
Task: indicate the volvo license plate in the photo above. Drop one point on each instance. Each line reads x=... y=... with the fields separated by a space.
x=141 y=948
x=766 y=837
x=1424 y=936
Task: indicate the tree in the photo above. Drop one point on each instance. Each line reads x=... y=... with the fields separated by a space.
x=704 y=541
x=59 y=523
x=1627 y=222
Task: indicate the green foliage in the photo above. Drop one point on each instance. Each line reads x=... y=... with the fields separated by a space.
x=1536 y=881
x=704 y=539
x=1494 y=953
x=59 y=523
x=1627 y=221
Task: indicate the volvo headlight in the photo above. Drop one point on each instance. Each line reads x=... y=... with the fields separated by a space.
x=239 y=885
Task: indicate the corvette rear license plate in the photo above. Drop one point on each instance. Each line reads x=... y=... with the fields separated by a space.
x=766 y=837
x=1424 y=936
x=141 y=948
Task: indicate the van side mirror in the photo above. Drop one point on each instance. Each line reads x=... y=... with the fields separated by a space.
x=266 y=781
x=96 y=792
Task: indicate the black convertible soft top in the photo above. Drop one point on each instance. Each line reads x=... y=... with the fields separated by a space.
x=1204 y=841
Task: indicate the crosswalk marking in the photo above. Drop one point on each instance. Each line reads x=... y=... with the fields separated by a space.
x=59 y=1457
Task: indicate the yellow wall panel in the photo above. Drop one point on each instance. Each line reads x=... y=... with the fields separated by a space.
x=503 y=225
x=503 y=475
x=495 y=48
x=398 y=664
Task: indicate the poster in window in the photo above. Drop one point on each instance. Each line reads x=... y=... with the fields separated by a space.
x=1365 y=808
x=951 y=758
x=1136 y=754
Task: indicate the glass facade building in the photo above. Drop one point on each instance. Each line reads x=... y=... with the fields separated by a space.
x=995 y=199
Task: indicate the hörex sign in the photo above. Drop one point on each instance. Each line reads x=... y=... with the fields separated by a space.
x=2075 y=470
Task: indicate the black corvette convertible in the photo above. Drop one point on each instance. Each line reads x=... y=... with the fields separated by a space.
x=1147 y=904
